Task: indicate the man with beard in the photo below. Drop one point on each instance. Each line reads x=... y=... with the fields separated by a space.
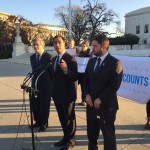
x=103 y=77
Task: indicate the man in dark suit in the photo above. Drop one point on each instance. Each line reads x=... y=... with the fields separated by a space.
x=103 y=77
x=42 y=82
x=64 y=92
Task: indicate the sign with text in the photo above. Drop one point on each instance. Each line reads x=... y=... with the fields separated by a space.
x=82 y=63
x=136 y=77
x=71 y=51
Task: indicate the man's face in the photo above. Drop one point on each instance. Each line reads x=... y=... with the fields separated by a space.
x=59 y=45
x=97 y=49
x=38 y=47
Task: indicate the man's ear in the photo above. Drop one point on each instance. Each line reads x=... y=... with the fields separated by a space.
x=105 y=44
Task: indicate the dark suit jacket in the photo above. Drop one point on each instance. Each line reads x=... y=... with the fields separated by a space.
x=45 y=81
x=64 y=84
x=105 y=83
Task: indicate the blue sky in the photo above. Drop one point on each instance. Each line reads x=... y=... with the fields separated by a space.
x=42 y=11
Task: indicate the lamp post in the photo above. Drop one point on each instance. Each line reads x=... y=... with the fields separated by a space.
x=70 y=31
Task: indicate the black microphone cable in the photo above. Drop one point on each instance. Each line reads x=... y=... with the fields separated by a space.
x=25 y=86
x=22 y=110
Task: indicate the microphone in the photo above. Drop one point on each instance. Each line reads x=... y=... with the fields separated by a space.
x=35 y=71
x=41 y=69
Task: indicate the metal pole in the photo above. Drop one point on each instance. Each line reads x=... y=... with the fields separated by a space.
x=70 y=31
x=31 y=117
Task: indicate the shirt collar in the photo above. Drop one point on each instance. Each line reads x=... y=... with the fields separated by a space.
x=40 y=54
x=61 y=55
x=103 y=57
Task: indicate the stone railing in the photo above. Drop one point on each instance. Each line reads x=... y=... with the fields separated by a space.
x=125 y=50
x=137 y=50
x=141 y=53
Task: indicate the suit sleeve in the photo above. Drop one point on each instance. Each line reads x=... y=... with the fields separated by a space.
x=86 y=81
x=72 y=73
x=50 y=68
x=31 y=62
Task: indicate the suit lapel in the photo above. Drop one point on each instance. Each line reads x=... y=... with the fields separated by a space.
x=92 y=68
x=53 y=63
x=93 y=64
x=34 y=61
x=64 y=58
x=102 y=66
x=64 y=55
x=58 y=67
x=42 y=59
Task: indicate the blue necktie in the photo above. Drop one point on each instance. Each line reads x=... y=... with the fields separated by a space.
x=56 y=63
x=98 y=64
x=37 y=59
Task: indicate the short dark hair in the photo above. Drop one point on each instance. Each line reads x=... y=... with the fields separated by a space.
x=101 y=38
x=57 y=37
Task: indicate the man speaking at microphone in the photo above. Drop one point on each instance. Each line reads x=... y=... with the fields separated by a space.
x=64 y=92
x=42 y=82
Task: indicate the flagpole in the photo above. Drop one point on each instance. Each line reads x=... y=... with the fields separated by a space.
x=70 y=30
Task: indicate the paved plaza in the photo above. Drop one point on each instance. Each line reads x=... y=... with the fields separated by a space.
x=14 y=117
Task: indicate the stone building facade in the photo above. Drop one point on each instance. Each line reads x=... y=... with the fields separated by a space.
x=138 y=23
x=4 y=16
x=54 y=29
x=20 y=48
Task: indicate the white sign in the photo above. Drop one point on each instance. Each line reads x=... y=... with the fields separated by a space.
x=82 y=63
x=136 y=78
x=71 y=51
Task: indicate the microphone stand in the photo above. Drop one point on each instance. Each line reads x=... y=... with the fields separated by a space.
x=30 y=90
x=25 y=86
